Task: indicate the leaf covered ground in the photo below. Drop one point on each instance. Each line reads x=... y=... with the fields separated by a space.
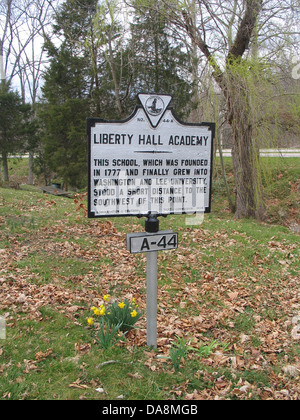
x=231 y=290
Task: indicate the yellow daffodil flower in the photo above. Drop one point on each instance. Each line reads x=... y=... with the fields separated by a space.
x=106 y=298
x=96 y=311
x=90 y=321
x=133 y=314
x=102 y=312
x=121 y=305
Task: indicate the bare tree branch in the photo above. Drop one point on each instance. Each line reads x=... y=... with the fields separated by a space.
x=245 y=30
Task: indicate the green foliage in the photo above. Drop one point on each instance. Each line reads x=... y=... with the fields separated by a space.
x=66 y=76
x=73 y=21
x=114 y=319
x=206 y=349
x=158 y=64
x=178 y=352
x=14 y=120
x=15 y=124
x=125 y=314
x=65 y=97
x=180 y=349
x=98 y=71
x=64 y=140
x=108 y=334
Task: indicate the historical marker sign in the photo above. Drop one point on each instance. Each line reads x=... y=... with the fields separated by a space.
x=149 y=163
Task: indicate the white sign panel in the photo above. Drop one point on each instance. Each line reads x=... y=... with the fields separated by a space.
x=149 y=163
x=146 y=242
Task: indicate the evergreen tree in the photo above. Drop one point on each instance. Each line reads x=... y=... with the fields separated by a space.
x=66 y=93
x=14 y=124
x=109 y=52
x=159 y=64
x=97 y=71
x=64 y=139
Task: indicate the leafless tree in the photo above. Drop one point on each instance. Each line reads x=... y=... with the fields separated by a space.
x=23 y=26
x=226 y=33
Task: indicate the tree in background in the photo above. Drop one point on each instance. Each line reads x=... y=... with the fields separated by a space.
x=226 y=33
x=219 y=59
x=159 y=63
x=23 y=23
x=64 y=141
x=109 y=53
x=66 y=93
x=97 y=70
x=15 y=125
x=62 y=117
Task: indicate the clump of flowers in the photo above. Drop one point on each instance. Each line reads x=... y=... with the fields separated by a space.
x=126 y=313
x=114 y=316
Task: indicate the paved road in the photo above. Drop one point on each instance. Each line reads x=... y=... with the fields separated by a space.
x=286 y=153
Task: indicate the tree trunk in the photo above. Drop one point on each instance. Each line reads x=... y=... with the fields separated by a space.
x=5 y=167
x=245 y=153
x=111 y=61
x=30 y=168
x=2 y=73
x=249 y=191
x=220 y=146
x=246 y=167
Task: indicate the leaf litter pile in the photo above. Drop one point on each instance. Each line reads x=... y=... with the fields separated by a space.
x=223 y=290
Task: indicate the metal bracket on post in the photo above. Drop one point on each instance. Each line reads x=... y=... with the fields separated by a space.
x=152 y=226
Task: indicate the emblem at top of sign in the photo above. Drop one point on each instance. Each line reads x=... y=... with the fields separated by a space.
x=154 y=106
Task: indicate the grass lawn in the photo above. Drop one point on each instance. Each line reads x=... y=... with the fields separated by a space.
x=230 y=293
